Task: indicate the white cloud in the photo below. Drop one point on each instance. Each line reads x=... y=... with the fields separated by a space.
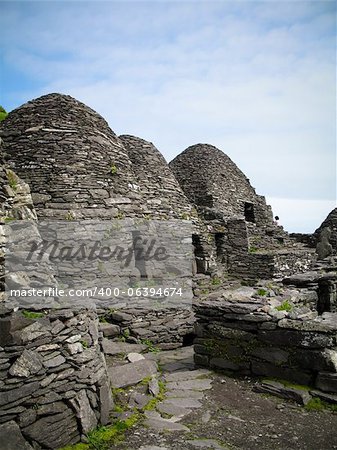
x=300 y=216
x=255 y=79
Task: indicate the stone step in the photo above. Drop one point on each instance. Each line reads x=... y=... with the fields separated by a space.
x=184 y=393
x=183 y=402
x=164 y=425
x=187 y=375
x=121 y=348
x=131 y=373
x=198 y=385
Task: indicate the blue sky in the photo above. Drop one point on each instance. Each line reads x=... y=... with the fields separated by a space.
x=256 y=79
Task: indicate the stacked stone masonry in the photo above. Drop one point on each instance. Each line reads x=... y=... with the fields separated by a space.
x=257 y=332
x=54 y=383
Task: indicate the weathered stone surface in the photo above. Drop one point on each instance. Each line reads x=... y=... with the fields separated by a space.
x=27 y=364
x=164 y=425
x=271 y=354
x=54 y=362
x=296 y=338
x=207 y=443
x=184 y=393
x=132 y=373
x=300 y=396
x=153 y=386
x=326 y=382
x=105 y=402
x=172 y=409
x=11 y=437
x=7 y=397
x=183 y=402
x=324 y=360
x=10 y=324
x=187 y=375
x=283 y=373
x=109 y=329
x=198 y=385
x=118 y=348
x=139 y=400
x=54 y=431
x=133 y=357
x=83 y=411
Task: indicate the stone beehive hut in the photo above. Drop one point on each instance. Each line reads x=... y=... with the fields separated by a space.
x=210 y=179
x=77 y=167
x=67 y=153
x=154 y=180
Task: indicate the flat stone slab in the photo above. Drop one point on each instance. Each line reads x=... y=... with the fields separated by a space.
x=280 y=390
x=184 y=393
x=179 y=365
x=170 y=408
x=164 y=425
x=183 y=402
x=198 y=385
x=207 y=443
x=152 y=447
x=120 y=348
x=11 y=437
x=187 y=375
x=132 y=373
x=133 y=357
x=152 y=414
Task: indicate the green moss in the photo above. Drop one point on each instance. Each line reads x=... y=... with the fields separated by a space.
x=113 y=169
x=9 y=219
x=215 y=281
x=118 y=408
x=289 y=384
x=316 y=404
x=32 y=314
x=150 y=345
x=262 y=292
x=3 y=114
x=80 y=446
x=12 y=179
x=285 y=306
x=69 y=216
x=252 y=249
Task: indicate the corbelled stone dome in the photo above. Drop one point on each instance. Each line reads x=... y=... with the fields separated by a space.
x=210 y=179
x=159 y=188
x=74 y=163
x=77 y=167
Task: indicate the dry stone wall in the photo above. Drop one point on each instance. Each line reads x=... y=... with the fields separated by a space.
x=53 y=378
x=210 y=179
x=164 y=328
x=78 y=168
x=160 y=190
x=75 y=165
x=254 y=335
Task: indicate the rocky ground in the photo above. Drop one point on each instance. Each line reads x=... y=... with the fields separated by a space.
x=213 y=411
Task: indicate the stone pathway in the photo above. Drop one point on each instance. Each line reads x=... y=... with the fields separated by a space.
x=184 y=392
x=185 y=386
x=205 y=410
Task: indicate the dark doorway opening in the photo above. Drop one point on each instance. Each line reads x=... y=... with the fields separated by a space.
x=198 y=253
x=188 y=339
x=249 y=212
